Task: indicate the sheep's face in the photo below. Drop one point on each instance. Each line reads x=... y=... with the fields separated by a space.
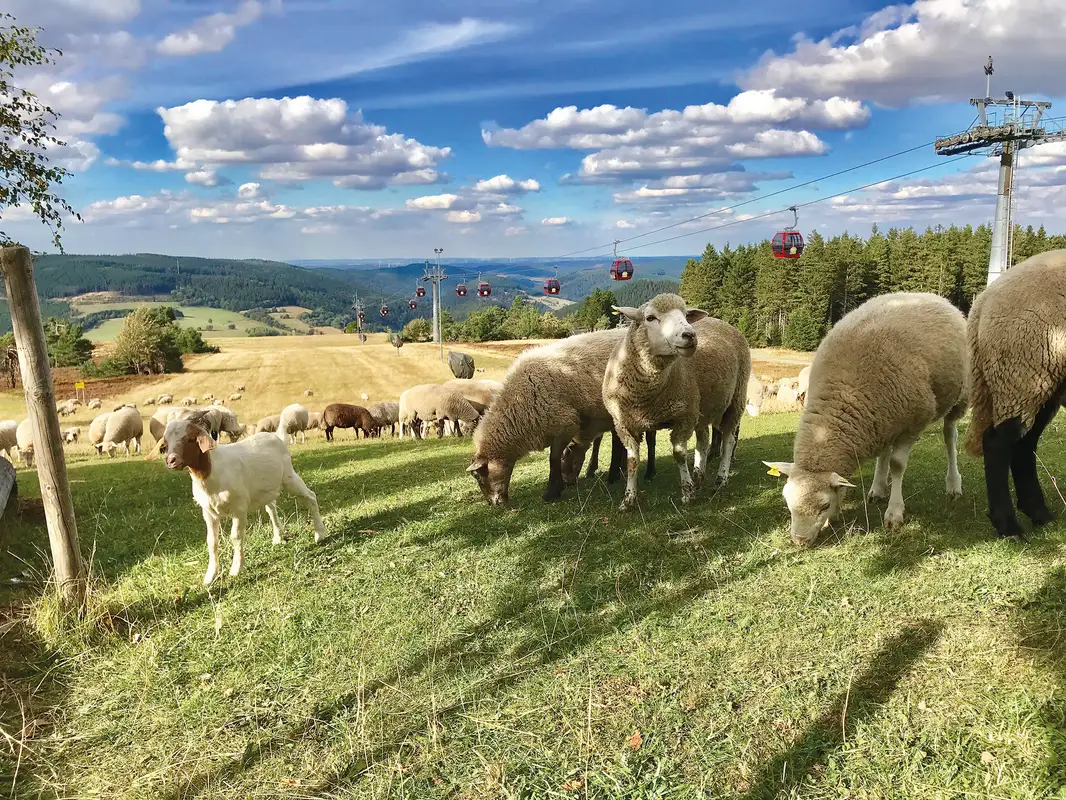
x=667 y=323
x=493 y=477
x=187 y=445
x=813 y=498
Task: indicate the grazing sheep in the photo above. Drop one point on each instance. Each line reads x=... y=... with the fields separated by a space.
x=478 y=392
x=364 y=396
x=149 y=401
x=1018 y=382
x=551 y=397
x=70 y=435
x=755 y=395
x=269 y=424
x=677 y=368
x=218 y=401
x=121 y=406
x=314 y=420
x=802 y=384
x=24 y=441
x=618 y=454
x=385 y=414
x=240 y=388
x=233 y=480
x=188 y=401
x=164 y=399
x=94 y=404
x=207 y=398
x=158 y=422
x=8 y=438
x=410 y=400
x=293 y=421
x=96 y=430
x=123 y=428
x=447 y=408
x=770 y=398
x=235 y=396
x=76 y=401
x=344 y=415
x=882 y=375
x=66 y=408
x=309 y=393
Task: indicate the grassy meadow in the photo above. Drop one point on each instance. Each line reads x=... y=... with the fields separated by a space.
x=433 y=647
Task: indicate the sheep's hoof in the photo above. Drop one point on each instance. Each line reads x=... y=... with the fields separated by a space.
x=209 y=578
x=954 y=494
x=893 y=519
x=628 y=503
x=720 y=481
x=277 y=539
x=1039 y=516
x=697 y=478
x=876 y=496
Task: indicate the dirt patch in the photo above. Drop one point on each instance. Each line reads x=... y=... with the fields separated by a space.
x=507 y=349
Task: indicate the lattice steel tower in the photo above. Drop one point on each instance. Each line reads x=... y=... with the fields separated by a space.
x=1003 y=133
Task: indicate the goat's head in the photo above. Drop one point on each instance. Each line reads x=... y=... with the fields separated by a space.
x=667 y=322
x=187 y=442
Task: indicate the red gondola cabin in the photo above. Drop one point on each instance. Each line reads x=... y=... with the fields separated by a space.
x=411 y=304
x=483 y=289
x=551 y=286
x=460 y=290
x=420 y=291
x=787 y=244
x=621 y=269
x=384 y=310
x=362 y=317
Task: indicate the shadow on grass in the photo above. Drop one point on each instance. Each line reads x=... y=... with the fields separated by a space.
x=865 y=695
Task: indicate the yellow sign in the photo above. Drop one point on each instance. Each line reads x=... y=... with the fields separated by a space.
x=79 y=385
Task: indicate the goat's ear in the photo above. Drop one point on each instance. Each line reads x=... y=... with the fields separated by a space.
x=205 y=441
x=695 y=314
x=630 y=313
x=477 y=465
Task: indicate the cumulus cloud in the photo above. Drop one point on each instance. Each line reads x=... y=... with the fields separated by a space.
x=505 y=184
x=930 y=50
x=159 y=165
x=463 y=216
x=73 y=15
x=202 y=177
x=212 y=33
x=556 y=221
x=249 y=191
x=295 y=139
x=433 y=202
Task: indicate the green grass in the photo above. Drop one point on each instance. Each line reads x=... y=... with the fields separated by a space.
x=195 y=317
x=436 y=648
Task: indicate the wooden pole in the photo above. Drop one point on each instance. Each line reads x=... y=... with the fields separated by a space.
x=17 y=269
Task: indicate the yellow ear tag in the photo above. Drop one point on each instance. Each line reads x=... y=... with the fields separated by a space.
x=774 y=471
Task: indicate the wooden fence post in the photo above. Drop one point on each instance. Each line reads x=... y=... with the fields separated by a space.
x=17 y=269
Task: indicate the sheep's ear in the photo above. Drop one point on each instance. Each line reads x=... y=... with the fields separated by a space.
x=695 y=314
x=477 y=465
x=629 y=313
x=836 y=480
x=205 y=441
x=779 y=467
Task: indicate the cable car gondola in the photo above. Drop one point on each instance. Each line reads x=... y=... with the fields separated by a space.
x=384 y=310
x=621 y=268
x=789 y=242
x=460 y=290
x=551 y=285
x=484 y=289
x=362 y=317
x=411 y=304
x=420 y=291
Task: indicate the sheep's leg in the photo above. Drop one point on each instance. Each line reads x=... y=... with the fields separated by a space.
x=556 y=484
x=998 y=443
x=618 y=459
x=594 y=459
x=879 y=487
x=649 y=471
x=897 y=465
x=237 y=535
x=275 y=522
x=294 y=484
x=679 y=442
x=729 y=442
x=632 y=445
x=953 y=481
x=699 y=461
x=1023 y=466
x=213 y=526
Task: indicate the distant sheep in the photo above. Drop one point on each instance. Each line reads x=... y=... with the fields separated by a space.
x=66 y=408
x=385 y=415
x=149 y=401
x=882 y=375
x=240 y=388
x=234 y=480
x=309 y=393
x=24 y=441
x=268 y=424
x=164 y=399
x=188 y=401
x=235 y=397
x=293 y=421
x=364 y=396
x=218 y=401
x=343 y=415
x=70 y=435
x=121 y=406
x=314 y=420
x=124 y=428
x=207 y=398
x=803 y=382
x=94 y=404
x=8 y=438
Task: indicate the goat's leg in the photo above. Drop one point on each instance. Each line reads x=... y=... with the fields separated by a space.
x=275 y=522
x=294 y=484
x=240 y=524
x=213 y=525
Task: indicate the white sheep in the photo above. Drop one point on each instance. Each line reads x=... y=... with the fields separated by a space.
x=270 y=424
x=9 y=438
x=883 y=374
x=552 y=395
x=235 y=397
x=94 y=404
x=803 y=382
x=66 y=408
x=677 y=368
x=164 y=399
x=1018 y=376
x=364 y=396
x=188 y=401
x=410 y=400
x=293 y=421
x=309 y=393
x=96 y=430
x=70 y=435
x=448 y=408
x=240 y=388
x=24 y=441
x=479 y=392
x=386 y=414
x=149 y=401
x=314 y=421
x=218 y=401
x=207 y=398
x=124 y=428
x=121 y=406
x=234 y=480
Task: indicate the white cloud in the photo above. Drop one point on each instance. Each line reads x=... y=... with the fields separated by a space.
x=556 y=221
x=72 y=15
x=212 y=33
x=463 y=216
x=249 y=191
x=625 y=224
x=297 y=139
x=929 y=50
x=433 y=202
x=202 y=177
x=505 y=184
x=515 y=230
x=159 y=165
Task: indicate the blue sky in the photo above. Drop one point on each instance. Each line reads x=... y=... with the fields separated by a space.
x=334 y=129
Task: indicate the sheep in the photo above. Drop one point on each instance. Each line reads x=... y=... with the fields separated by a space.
x=448 y=408
x=755 y=395
x=235 y=397
x=787 y=391
x=802 y=384
x=343 y=415
x=1018 y=382
x=207 y=398
x=309 y=393
x=123 y=428
x=121 y=406
x=268 y=424
x=66 y=408
x=233 y=480
x=75 y=401
x=293 y=421
x=677 y=368
x=314 y=420
x=385 y=414
x=882 y=375
x=164 y=399
x=149 y=401
x=618 y=453
x=24 y=441
x=96 y=430
x=479 y=392
x=188 y=401
x=8 y=438
x=240 y=388
x=364 y=397
x=770 y=398
x=158 y=422
x=70 y=435
x=410 y=400
x=94 y=404
x=218 y=401
x=551 y=397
